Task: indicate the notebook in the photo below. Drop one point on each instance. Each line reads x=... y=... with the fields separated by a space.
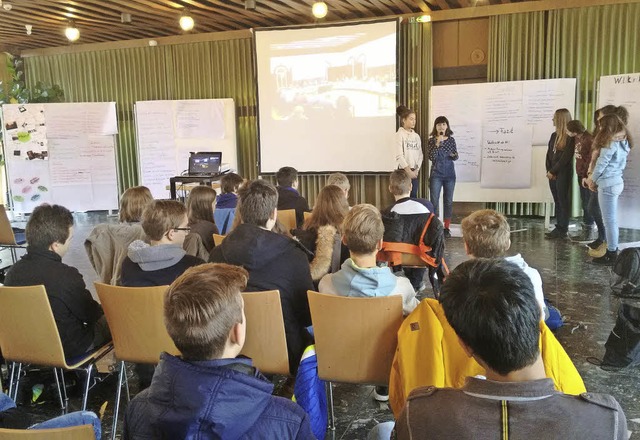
x=205 y=163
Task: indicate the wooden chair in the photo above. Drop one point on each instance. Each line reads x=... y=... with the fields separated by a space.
x=306 y=215
x=288 y=218
x=7 y=238
x=82 y=432
x=356 y=338
x=265 y=342
x=136 y=319
x=28 y=334
x=217 y=239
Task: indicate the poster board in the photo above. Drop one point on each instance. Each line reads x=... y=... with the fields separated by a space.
x=167 y=131
x=625 y=90
x=501 y=131
x=62 y=153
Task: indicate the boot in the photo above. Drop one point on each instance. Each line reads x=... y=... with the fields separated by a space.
x=607 y=259
x=595 y=244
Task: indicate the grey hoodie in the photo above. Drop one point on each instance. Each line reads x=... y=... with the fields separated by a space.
x=155 y=257
x=536 y=280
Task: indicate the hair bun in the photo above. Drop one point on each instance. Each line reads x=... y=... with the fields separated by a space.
x=401 y=110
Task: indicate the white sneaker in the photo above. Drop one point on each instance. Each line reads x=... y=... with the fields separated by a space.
x=381 y=394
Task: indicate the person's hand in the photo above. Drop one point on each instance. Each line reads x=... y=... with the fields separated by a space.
x=592 y=186
x=550 y=175
x=583 y=183
x=453 y=156
x=414 y=174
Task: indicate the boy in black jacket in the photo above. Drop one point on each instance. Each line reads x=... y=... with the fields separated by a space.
x=80 y=320
x=288 y=195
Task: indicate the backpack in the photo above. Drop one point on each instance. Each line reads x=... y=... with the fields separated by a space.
x=623 y=345
x=625 y=277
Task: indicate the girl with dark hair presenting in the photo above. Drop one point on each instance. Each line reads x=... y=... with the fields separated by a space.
x=442 y=152
x=408 y=147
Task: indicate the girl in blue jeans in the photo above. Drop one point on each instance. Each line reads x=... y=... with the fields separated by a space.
x=442 y=151
x=613 y=143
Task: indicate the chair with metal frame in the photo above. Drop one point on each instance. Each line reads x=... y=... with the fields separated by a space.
x=355 y=339
x=217 y=239
x=8 y=239
x=82 y=432
x=136 y=320
x=288 y=218
x=29 y=335
x=265 y=342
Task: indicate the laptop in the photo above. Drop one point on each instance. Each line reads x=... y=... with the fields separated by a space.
x=205 y=164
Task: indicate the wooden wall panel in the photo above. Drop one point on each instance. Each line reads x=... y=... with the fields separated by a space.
x=460 y=43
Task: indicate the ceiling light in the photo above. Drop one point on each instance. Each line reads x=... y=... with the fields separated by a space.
x=319 y=9
x=72 y=33
x=28 y=27
x=186 y=21
x=424 y=19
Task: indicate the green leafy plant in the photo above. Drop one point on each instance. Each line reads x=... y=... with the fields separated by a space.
x=15 y=91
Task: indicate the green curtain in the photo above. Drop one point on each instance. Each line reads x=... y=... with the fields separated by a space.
x=215 y=69
x=583 y=43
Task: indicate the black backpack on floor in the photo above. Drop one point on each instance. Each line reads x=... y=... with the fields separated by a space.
x=623 y=345
x=625 y=277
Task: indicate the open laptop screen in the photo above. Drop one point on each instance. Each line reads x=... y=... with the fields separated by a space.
x=205 y=163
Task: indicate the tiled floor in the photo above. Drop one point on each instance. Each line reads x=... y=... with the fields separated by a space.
x=578 y=288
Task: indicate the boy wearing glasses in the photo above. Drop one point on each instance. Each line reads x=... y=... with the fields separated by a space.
x=162 y=260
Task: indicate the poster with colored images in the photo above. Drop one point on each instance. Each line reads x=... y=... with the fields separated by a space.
x=26 y=133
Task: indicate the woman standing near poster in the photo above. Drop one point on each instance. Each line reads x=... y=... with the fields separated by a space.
x=559 y=164
x=408 y=147
x=442 y=152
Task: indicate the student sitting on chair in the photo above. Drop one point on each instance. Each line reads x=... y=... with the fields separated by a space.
x=200 y=211
x=288 y=195
x=491 y=305
x=274 y=261
x=159 y=263
x=79 y=318
x=108 y=243
x=405 y=221
x=209 y=392
x=227 y=202
x=341 y=181
x=486 y=234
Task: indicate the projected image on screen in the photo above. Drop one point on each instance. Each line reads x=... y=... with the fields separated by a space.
x=327 y=97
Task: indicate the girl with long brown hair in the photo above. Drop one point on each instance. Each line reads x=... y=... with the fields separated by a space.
x=200 y=206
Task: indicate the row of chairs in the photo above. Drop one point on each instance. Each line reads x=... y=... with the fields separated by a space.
x=358 y=350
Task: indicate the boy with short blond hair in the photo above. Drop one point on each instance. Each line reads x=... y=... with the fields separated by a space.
x=341 y=181
x=359 y=275
x=208 y=389
x=486 y=234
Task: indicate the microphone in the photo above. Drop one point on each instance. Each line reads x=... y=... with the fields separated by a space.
x=441 y=133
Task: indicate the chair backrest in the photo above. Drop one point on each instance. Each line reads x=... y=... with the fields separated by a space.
x=266 y=342
x=356 y=338
x=82 y=432
x=412 y=260
x=136 y=319
x=6 y=233
x=28 y=331
x=288 y=218
x=306 y=215
x=217 y=239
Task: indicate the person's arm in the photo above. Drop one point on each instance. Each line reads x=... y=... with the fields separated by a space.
x=549 y=156
x=454 y=149
x=431 y=149
x=304 y=283
x=79 y=300
x=401 y=162
x=606 y=154
x=565 y=159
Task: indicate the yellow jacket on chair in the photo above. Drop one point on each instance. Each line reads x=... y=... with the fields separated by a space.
x=429 y=353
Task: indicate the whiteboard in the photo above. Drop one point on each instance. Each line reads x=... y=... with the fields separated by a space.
x=475 y=110
x=167 y=131
x=625 y=90
x=61 y=153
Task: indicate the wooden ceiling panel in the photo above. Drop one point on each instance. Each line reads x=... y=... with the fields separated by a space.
x=100 y=20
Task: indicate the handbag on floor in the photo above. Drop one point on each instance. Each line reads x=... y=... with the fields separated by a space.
x=625 y=276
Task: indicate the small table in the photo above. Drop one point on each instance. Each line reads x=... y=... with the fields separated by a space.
x=201 y=180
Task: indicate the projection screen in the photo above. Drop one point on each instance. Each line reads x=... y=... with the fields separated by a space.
x=327 y=97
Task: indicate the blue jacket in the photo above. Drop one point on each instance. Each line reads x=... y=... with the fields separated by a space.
x=216 y=399
x=611 y=164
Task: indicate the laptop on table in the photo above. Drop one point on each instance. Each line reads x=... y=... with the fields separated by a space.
x=205 y=164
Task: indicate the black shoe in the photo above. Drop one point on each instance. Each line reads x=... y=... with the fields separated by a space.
x=587 y=235
x=607 y=259
x=556 y=234
x=447 y=233
x=595 y=244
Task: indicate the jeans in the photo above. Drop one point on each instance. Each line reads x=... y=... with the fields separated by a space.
x=585 y=195
x=382 y=431
x=414 y=188
x=608 y=197
x=436 y=184
x=594 y=210
x=561 y=191
x=65 y=421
